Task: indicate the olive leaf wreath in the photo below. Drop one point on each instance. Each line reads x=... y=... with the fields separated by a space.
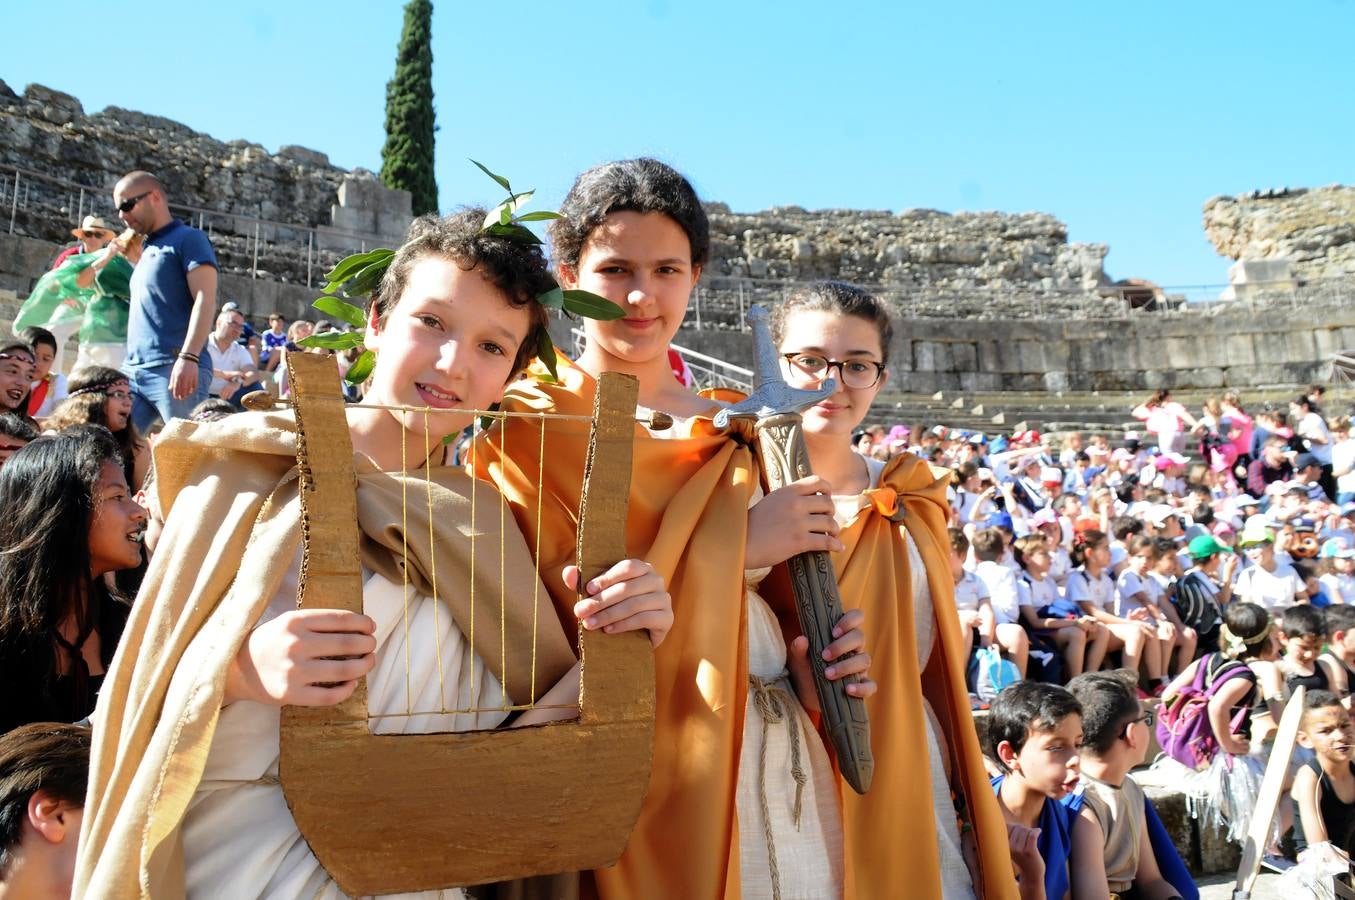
x=360 y=274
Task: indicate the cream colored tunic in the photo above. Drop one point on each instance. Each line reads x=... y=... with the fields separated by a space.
x=1119 y=812
x=240 y=840
x=956 y=881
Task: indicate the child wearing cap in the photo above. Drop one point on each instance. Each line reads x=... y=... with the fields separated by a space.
x=1033 y=735
x=1204 y=591
x=1268 y=582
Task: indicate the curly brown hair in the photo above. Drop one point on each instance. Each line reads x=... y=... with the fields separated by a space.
x=516 y=268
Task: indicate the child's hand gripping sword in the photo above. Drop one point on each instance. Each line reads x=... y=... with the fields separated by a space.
x=776 y=408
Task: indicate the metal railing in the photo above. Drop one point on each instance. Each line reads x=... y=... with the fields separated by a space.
x=708 y=371
x=40 y=205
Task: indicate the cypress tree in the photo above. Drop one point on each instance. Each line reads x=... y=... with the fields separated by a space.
x=407 y=157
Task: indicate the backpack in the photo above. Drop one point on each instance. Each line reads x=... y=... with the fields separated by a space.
x=992 y=673
x=1183 y=729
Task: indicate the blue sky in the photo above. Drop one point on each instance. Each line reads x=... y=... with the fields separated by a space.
x=1119 y=119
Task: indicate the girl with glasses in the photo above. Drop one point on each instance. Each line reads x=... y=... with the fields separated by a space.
x=102 y=396
x=894 y=566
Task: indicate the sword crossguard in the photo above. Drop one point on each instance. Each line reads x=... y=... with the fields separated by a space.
x=771 y=395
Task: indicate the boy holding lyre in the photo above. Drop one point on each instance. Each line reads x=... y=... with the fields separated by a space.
x=184 y=794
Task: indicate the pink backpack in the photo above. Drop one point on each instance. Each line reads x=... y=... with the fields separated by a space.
x=1183 y=728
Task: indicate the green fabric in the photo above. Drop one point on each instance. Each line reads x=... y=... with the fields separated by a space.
x=100 y=311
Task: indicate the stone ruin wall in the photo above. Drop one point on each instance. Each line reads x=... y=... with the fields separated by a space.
x=990 y=301
x=1311 y=230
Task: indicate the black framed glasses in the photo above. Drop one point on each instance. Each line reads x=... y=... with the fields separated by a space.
x=130 y=203
x=854 y=373
x=1148 y=718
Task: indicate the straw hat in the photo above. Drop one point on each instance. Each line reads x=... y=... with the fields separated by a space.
x=94 y=223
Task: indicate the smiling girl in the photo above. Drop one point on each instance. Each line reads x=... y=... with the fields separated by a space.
x=17 y=365
x=103 y=396
x=741 y=780
x=69 y=520
x=894 y=567
x=220 y=645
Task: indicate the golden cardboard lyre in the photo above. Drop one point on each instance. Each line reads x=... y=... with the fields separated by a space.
x=411 y=812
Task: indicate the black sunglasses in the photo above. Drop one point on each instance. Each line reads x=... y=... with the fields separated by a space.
x=127 y=205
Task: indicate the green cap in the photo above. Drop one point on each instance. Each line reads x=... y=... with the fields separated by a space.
x=1206 y=545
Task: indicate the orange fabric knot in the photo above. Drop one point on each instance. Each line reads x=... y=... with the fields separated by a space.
x=885 y=500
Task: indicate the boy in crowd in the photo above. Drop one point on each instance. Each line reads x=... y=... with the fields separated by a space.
x=1110 y=835
x=1161 y=583
x=1033 y=735
x=971 y=596
x=44 y=768
x=274 y=340
x=1303 y=628
x=1339 y=657
x=1324 y=788
x=990 y=547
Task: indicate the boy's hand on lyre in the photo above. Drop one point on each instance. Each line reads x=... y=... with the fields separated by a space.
x=793 y=519
x=1023 y=841
x=845 y=656
x=304 y=657
x=630 y=596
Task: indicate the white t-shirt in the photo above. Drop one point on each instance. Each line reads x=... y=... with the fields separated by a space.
x=1159 y=585
x=1340 y=588
x=1060 y=564
x=1099 y=592
x=970 y=591
x=1272 y=590
x=233 y=359
x=1313 y=425
x=1343 y=457
x=1002 y=591
x=1038 y=594
x=1126 y=586
x=963 y=503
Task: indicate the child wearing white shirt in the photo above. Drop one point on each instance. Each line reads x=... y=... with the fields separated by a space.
x=989 y=547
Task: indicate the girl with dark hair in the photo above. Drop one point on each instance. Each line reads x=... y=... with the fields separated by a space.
x=895 y=568
x=1092 y=588
x=1247 y=697
x=69 y=521
x=18 y=362
x=635 y=233
x=103 y=396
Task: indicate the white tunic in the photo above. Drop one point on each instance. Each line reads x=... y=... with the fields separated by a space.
x=239 y=837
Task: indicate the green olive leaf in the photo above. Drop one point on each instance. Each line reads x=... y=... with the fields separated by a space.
x=503 y=182
x=367 y=280
x=552 y=299
x=339 y=309
x=591 y=306
x=518 y=233
x=545 y=351
x=361 y=369
x=333 y=340
x=485 y=421
x=542 y=216
x=350 y=265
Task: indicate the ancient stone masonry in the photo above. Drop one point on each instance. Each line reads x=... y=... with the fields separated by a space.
x=49 y=132
x=1312 y=230
x=917 y=248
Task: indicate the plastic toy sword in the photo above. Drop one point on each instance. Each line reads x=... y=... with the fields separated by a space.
x=775 y=406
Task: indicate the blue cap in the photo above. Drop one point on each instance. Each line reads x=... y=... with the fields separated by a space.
x=999 y=520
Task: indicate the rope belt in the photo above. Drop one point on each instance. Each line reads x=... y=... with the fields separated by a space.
x=775 y=705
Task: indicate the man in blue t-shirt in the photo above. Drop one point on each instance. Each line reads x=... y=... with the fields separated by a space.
x=173 y=300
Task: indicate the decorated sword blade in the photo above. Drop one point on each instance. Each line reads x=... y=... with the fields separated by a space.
x=776 y=407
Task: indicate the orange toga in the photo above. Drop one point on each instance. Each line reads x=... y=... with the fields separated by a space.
x=689 y=519
x=889 y=834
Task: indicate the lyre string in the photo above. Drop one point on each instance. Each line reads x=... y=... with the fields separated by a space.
x=536 y=552
x=404 y=556
x=503 y=638
x=433 y=560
